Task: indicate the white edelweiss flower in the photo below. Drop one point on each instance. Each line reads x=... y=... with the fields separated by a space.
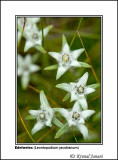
x=29 y=22
x=25 y=68
x=76 y=117
x=66 y=58
x=78 y=90
x=44 y=115
x=34 y=36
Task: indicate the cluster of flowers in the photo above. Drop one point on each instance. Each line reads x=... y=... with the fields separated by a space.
x=78 y=91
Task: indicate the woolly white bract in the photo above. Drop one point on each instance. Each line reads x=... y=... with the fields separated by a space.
x=76 y=117
x=78 y=90
x=34 y=37
x=25 y=68
x=44 y=115
x=67 y=58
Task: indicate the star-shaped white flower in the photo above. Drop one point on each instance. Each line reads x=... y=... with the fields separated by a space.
x=34 y=37
x=67 y=58
x=25 y=68
x=44 y=115
x=78 y=90
x=76 y=117
x=29 y=22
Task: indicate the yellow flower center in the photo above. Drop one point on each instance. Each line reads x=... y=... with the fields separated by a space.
x=75 y=115
x=42 y=116
x=80 y=89
x=65 y=57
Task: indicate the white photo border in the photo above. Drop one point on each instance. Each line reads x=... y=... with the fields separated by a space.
x=10 y=9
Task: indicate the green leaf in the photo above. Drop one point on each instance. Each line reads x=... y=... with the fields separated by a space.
x=35 y=57
x=47 y=29
x=85 y=65
x=57 y=122
x=30 y=117
x=94 y=85
x=97 y=117
x=62 y=130
x=40 y=48
x=52 y=67
x=64 y=86
x=67 y=96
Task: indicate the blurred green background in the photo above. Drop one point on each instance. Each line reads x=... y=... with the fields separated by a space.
x=90 y=32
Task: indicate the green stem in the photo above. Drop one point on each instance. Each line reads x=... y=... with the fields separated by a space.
x=76 y=32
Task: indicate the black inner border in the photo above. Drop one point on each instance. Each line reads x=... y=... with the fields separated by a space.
x=100 y=16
